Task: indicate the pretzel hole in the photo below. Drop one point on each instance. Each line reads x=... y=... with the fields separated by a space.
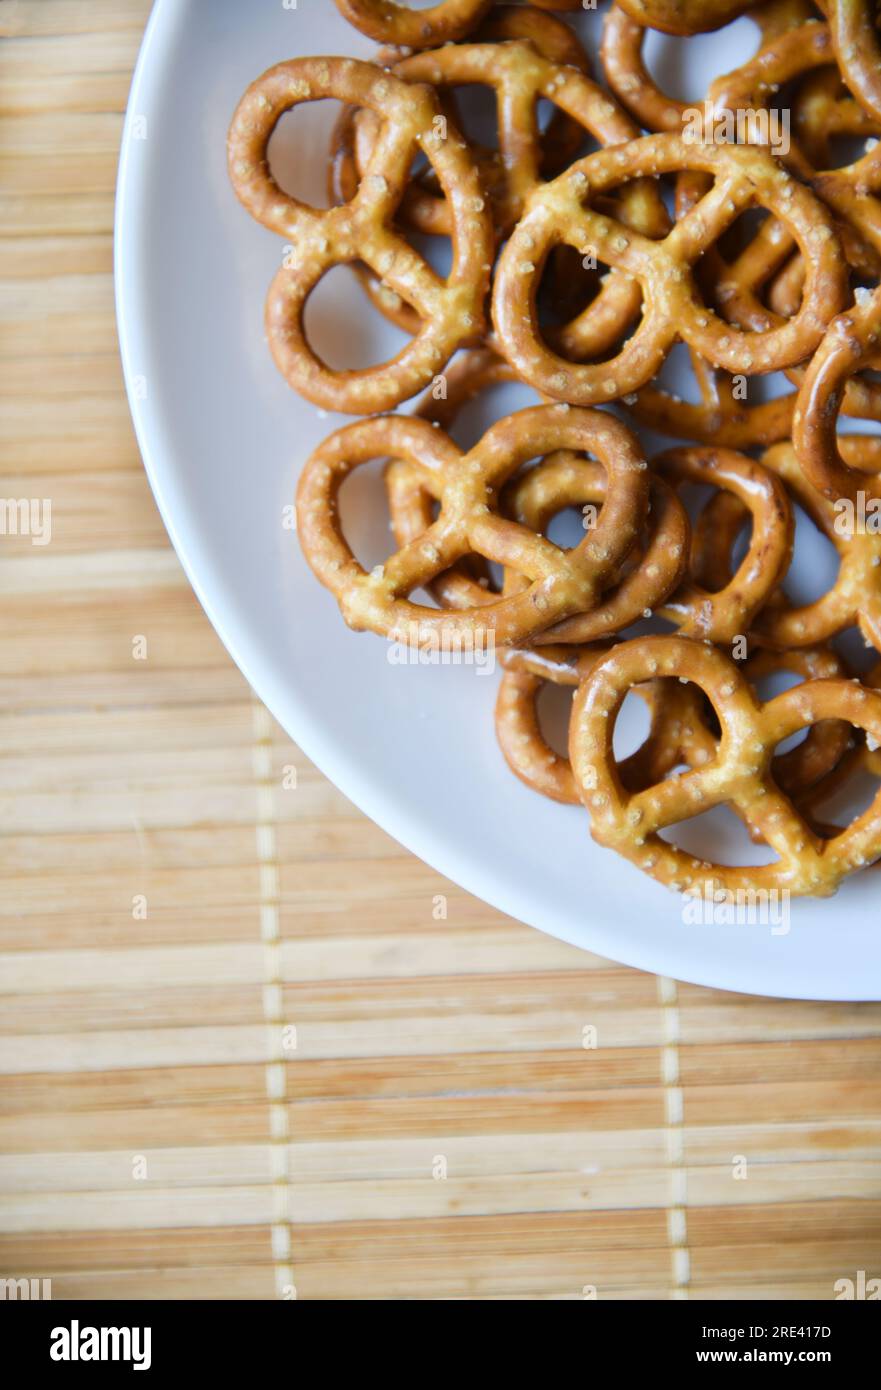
x=553 y=708
x=476 y=113
x=738 y=235
x=845 y=803
x=684 y=66
x=364 y=515
x=718 y=836
x=632 y=727
x=345 y=340
x=566 y=286
x=814 y=568
x=307 y=126
x=492 y=403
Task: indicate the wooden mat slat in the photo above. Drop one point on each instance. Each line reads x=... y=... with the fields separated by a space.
x=159 y=1136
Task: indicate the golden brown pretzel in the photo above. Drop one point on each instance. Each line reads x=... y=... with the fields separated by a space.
x=390 y=23
x=851 y=343
x=728 y=612
x=672 y=309
x=561 y=480
x=451 y=310
x=423 y=208
x=521 y=77
x=857 y=48
x=854 y=598
x=468 y=523
x=685 y=16
x=680 y=729
x=636 y=89
x=677 y=731
x=738 y=774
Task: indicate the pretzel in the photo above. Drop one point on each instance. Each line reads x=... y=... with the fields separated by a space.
x=680 y=729
x=851 y=342
x=738 y=774
x=517 y=84
x=629 y=78
x=672 y=309
x=855 y=597
x=723 y=615
x=862 y=759
x=389 y=23
x=676 y=722
x=520 y=78
x=722 y=417
x=362 y=229
x=684 y=16
x=857 y=48
x=466 y=486
x=561 y=480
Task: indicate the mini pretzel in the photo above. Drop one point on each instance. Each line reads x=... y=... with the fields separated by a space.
x=422 y=208
x=862 y=758
x=851 y=343
x=679 y=733
x=362 y=229
x=738 y=774
x=855 y=597
x=685 y=16
x=744 y=177
x=561 y=480
x=676 y=723
x=520 y=77
x=727 y=613
x=633 y=85
x=561 y=582
x=404 y=27
x=857 y=48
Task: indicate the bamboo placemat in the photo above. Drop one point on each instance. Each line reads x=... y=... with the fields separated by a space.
x=240 y=1054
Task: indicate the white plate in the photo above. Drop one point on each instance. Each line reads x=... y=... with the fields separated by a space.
x=223 y=439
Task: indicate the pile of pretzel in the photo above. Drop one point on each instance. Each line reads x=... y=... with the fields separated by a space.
x=576 y=274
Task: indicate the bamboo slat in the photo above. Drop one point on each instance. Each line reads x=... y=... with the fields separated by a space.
x=238 y=1054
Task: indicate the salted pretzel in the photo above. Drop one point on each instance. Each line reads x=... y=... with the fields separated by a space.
x=390 y=23
x=820 y=114
x=621 y=54
x=858 y=49
x=738 y=774
x=561 y=582
x=422 y=207
x=851 y=343
x=520 y=77
x=722 y=615
x=854 y=598
x=824 y=110
x=561 y=480
x=677 y=726
x=682 y=728
x=672 y=310
x=363 y=229
x=723 y=415
x=685 y=16
x=863 y=759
